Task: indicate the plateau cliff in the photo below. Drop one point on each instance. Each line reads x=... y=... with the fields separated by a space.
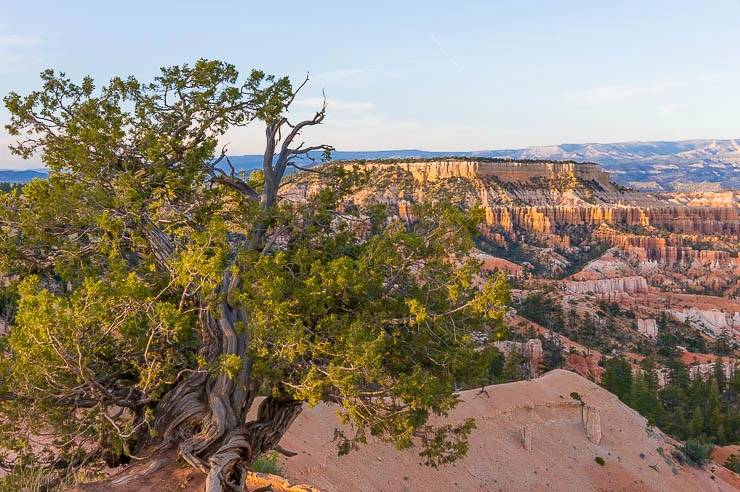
x=549 y=197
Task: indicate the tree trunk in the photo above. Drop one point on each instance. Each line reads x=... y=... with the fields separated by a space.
x=243 y=445
x=205 y=415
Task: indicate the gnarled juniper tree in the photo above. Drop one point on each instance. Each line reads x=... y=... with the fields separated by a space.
x=160 y=291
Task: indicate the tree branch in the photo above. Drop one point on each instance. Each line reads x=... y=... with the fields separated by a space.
x=284 y=451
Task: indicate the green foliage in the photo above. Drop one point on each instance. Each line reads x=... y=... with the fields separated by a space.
x=495 y=369
x=540 y=308
x=617 y=378
x=115 y=249
x=6 y=187
x=445 y=444
x=698 y=410
x=732 y=463
x=25 y=476
x=516 y=367
x=319 y=312
x=552 y=353
x=697 y=451
x=678 y=456
x=268 y=463
x=137 y=250
x=644 y=396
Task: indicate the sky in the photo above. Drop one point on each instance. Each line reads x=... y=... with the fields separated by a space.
x=431 y=75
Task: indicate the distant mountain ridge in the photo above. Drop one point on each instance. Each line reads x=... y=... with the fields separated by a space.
x=11 y=176
x=688 y=165
x=697 y=165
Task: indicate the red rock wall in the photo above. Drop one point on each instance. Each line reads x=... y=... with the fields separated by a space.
x=678 y=219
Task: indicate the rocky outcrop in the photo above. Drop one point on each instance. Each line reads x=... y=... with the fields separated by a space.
x=706 y=371
x=680 y=219
x=712 y=321
x=504 y=170
x=592 y=423
x=267 y=481
x=652 y=248
x=624 y=285
x=587 y=366
x=647 y=328
x=550 y=219
x=547 y=197
x=491 y=264
x=590 y=418
x=531 y=349
x=526 y=436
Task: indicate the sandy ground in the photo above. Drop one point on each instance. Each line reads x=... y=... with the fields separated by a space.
x=562 y=458
x=721 y=453
x=167 y=476
x=660 y=300
x=690 y=358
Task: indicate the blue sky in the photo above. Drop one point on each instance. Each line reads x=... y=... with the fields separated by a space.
x=463 y=75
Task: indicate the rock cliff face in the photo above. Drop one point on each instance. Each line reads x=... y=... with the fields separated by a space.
x=651 y=248
x=623 y=285
x=706 y=370
x=676 y=218
x=592 y=423
x=547 y=197
x=647 y=327
x=547 y=217
x=508 y=171
x=711 y=321
x=532 y=349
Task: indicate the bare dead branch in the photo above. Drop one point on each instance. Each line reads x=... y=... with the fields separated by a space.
x=284 y=451
x=295 y=93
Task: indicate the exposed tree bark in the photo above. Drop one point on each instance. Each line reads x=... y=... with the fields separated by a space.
x=205 y=414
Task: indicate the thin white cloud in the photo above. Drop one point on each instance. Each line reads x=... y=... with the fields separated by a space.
x=711 y=76
x=620 y=92
x=669 y=109
x=15 y=41
x=19 y=53
x=316 y=102
x=612 y=93
x=339 y=75
x=446 y=55
x=624 y=92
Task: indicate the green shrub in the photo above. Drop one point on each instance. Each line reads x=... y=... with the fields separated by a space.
x=733 y=463
x=678 y=456
x=267 y=463
x=600 y=460
x=697 y=451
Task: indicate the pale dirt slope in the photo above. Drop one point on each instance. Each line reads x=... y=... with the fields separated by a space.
x=562 y=456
